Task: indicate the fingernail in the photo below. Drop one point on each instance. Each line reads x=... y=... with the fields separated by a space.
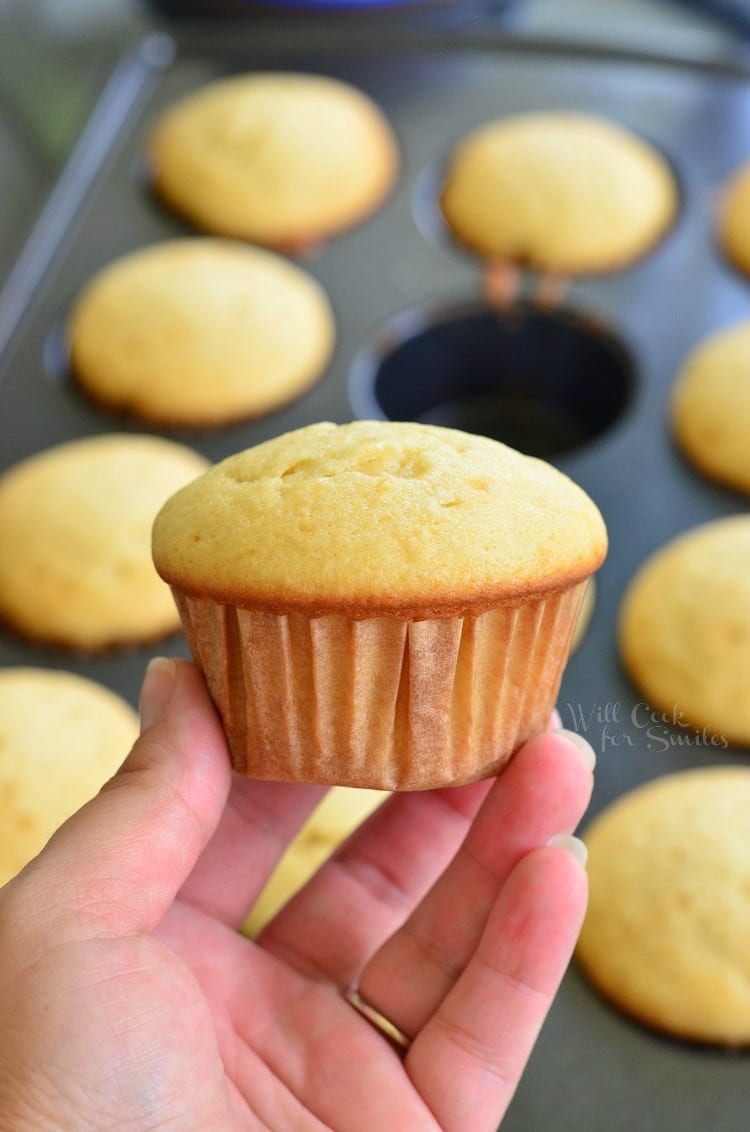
x=156 y=693
x=582 y=744
x=572 y=845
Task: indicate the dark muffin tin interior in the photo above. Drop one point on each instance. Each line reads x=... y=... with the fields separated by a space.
x=586 y=385
x=489 y=371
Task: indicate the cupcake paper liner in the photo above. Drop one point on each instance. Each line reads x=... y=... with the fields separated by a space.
x=381 y=702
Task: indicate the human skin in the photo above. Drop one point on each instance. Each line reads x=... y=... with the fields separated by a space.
x=129 y=1000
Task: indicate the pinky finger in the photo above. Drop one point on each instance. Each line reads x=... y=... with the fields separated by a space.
x=468 y=1059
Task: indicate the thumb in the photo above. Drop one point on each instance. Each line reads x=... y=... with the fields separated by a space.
x=115 y=867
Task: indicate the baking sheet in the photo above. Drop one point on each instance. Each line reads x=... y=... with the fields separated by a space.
x=592 y=1068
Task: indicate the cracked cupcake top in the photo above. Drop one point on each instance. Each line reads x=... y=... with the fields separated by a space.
x=370 y=516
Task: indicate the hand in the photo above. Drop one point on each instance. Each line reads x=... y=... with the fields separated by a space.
x=129 y=1001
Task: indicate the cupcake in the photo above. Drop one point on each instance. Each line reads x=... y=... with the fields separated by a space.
x=279 y=159
x=379 y=604
x=685 y=629
x=196 y=333
x=558 y=192
x=61 y=738
x=665 y=935
x=711 y=407
x=75 y=523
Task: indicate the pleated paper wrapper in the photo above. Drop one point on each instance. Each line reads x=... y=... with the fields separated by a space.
x=381 y=702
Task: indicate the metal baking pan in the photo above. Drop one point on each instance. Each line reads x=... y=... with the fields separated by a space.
x=395 y=276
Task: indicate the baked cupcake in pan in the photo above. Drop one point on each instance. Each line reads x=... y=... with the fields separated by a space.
x=200 y=333
x=75 y=523
x=665 y=935
x=61 y=738
x=685 y=628
x=281 y=159
x=562 y=193
x=711 y=407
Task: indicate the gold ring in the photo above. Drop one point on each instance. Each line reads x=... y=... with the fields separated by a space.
x=383 y=1025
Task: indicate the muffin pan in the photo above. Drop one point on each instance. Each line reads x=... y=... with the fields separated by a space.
x=587 y=385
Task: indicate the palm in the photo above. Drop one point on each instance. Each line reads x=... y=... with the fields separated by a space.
x=294 y=1053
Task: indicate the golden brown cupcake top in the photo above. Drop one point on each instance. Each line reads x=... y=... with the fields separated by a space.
x=75 y=522
x=61 y=738
x=200 y=332
x=711 y=406
x=560 y=192
x=668 y=921
x=378 y=516
x=276 y=158
x=685 y=627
